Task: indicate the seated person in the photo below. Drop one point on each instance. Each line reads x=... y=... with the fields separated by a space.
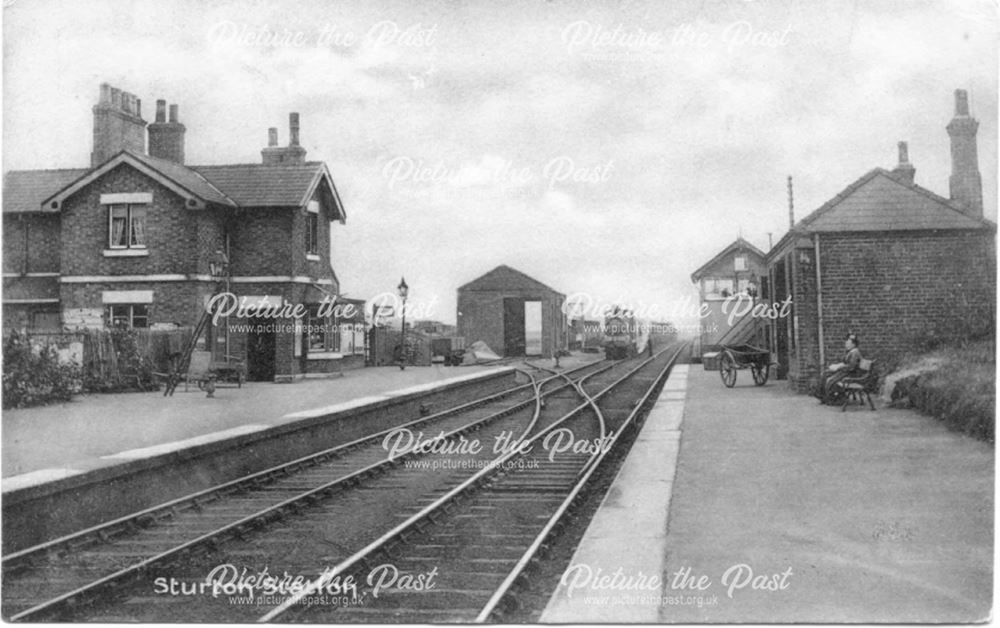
x=828 y=390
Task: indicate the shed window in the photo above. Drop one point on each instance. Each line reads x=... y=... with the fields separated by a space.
x=740 y=262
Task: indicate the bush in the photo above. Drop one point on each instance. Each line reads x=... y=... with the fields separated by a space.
x=960 y=390
x=35 y=377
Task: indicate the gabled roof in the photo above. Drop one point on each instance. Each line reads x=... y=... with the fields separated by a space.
x=179 y=178
x=504 y=277
x=24 y=190
x=259 y=185
x=242 y=185
x=880 y=202
x=738 y=245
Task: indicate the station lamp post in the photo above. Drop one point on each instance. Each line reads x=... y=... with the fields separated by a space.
x=404 y=291
x=218 y=267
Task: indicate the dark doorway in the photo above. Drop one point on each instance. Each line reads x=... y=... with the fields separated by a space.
x=260 y=352
x=781 y=328
x=513 y=327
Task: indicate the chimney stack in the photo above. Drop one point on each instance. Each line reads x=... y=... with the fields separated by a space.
x=293 y=128
x=293 y=154
x=118 y=124
x=791 y=205
x=965 y=184
x=166 y=135
x=904 y=171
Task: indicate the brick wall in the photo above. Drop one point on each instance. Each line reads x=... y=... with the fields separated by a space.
x=895 y=290
x=42 y=244
x=262 y=243
x=300 y=265
x=172 y=232
x=178 y=302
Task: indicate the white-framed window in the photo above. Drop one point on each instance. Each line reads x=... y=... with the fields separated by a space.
x=126 y=226
x=312 y=230
x=740 y=263
x=322 y=333
x=128 y=315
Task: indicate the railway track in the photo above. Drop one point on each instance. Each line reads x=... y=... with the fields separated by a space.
x=471 y=547
x=55 y=578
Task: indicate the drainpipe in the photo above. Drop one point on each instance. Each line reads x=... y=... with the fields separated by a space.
x=24 y=227
x=819 y=303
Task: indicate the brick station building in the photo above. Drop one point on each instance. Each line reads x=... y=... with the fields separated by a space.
x=888 y=260
x=130 y=241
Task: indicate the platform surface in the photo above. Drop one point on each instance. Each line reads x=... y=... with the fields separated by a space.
x=51 y=442
x=777 y=509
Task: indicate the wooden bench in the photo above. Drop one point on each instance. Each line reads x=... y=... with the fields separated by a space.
x=860 y=387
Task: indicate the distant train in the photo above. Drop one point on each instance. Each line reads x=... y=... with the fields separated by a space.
x=621 y=334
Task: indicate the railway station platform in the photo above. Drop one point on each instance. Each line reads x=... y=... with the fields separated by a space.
x=49 y=442
x=758 y=505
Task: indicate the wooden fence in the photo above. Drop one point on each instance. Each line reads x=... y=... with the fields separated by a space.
x=96 y=352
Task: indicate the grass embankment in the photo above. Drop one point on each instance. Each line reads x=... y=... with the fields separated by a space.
x=956 y=385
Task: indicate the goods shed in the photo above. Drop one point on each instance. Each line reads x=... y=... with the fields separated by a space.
x=513 y=313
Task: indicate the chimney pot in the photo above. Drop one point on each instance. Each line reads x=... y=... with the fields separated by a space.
x=293 y=125
x=904 y=155
x=105 y=94
x=272 y=136
x=173 y=113
x=961 y=102
x=161 y=110
x=138 y=107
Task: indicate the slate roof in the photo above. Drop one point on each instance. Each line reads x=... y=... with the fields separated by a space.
x=504 y=278
x=186 y=177
x=738 y=244
x=879 y=202
x=240 y=185
x=258 y=185
x=24 y=190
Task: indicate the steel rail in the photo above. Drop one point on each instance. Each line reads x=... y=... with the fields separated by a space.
x=578 y=385
x=587 y=472
x=317 y=457
x=273 y=509
x=431 y=509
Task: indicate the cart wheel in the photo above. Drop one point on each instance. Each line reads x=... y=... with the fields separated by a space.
x=727 y=369
x=760 y=373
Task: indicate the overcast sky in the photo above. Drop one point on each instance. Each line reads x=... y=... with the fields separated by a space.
x=604 y=147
